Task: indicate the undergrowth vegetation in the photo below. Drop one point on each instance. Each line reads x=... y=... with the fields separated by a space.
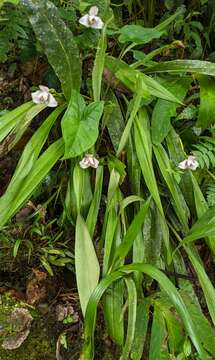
x=115 y=176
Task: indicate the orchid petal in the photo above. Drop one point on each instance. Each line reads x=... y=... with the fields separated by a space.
x=93 y=11
x=183 y=165
x=36 y=97
x=84 y=20
x=44 y=88
x=51 y=102
x=98 y=23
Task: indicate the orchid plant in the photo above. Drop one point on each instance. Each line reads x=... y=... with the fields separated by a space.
x=130 y=204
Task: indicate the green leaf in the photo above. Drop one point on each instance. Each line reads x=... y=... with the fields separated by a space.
x=40 y=169
x=133 y=79
x=174 y=329
x=95 y=203
x=34 y=146
x=207 y=102
x=132 y=313
x=22 y=126
x=138 y=34
x=158 y=334
x=177 y=66
x=13 y=118
x=202 y=324
x=141 y=327
x=144 y=153
x=57 y=41
x=167 y=286
x=207 y=287
x=164 y=110
x=204 y=226
x=86 y=263
x=201 y=208
x=127 y=130
x=99 y=65
x=113 y=312
x=177 y=196
x=113 y=119
x=131 y=234
x=80 y=125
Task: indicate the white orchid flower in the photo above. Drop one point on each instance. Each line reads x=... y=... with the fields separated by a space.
x=89 y=161
x=189 y=163
x=91 y=19
x=43 y=96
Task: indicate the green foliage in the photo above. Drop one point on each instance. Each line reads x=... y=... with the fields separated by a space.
x=80 y=125
x=127 y=220
x=15 y=31
x=52 y=33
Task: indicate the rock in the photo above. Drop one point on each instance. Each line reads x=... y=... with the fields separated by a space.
x=20 y=322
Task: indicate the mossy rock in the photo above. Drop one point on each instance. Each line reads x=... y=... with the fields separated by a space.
x=38 y=345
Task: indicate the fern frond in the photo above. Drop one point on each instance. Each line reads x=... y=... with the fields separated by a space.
x=210 y=193
x=13 y=27
x=205 y=152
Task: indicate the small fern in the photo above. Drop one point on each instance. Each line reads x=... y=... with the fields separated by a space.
x=210 y=193
x=14 y=28
x=205 y=152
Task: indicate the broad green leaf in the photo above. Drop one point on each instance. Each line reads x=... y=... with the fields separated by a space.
x=141 y=327
x=86 y=263
x=177 y=66
x=113 y=119
x=80 y=125
x=148 y=249
x=167 y=286
x=40 y=169
x=141 y=35
x=164 y=110
x=13 y=118
x=132 y=313
x=57 y=41
x=158 y=334
x=174 y=329
x=207 y=102
x=202 y=324
x=113 y=312
x=138 y=34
